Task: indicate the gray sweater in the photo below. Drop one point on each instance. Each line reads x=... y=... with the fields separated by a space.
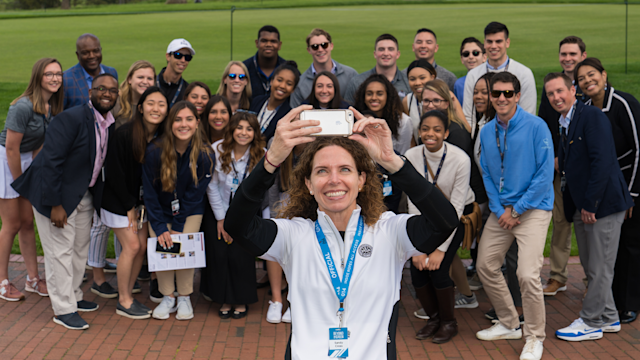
x=344 y=74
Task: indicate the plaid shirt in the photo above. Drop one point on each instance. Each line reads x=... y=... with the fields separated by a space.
x=76 y=89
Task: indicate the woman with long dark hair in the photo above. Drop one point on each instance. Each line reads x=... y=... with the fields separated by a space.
x=325 y=92
x=198 y=93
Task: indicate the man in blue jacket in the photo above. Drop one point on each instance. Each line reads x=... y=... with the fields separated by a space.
x=265 y=61
x=595 y=198
x=64 y=185
x=78 y=79
x=517 y=168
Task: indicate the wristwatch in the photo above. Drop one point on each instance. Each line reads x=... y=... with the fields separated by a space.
x=514 y=213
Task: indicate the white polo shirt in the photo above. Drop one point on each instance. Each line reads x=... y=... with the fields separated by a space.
x=373 y=291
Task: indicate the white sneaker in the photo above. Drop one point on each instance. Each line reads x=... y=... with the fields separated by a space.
x=611 y=327
x=532 y=350
x=185 y=310
x=287 y=315
x=274 y=314
x=579 y=331
x=166 y=307
x=421 y=314
x=499 y=332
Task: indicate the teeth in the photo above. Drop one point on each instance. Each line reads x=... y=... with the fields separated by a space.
x=335 y=193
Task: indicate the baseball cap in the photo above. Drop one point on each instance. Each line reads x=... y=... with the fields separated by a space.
x=178 y=44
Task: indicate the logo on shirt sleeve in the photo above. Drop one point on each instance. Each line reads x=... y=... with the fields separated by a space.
x=365 y=250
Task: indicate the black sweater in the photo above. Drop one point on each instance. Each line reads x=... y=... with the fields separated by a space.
x=461 y=138
x=437 y=221
x=123 y=174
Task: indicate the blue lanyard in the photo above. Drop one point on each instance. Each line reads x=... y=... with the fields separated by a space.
x=341 y=287
x=264 y=124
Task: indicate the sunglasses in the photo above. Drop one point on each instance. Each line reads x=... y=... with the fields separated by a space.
x=474 y=52
x=315 y=47
x=239 y=76
x=179 y=55
x=507 y=93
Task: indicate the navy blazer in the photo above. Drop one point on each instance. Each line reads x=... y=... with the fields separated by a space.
x=61 y=172
x=588 y=159
x=256 y=106
x=76 y=89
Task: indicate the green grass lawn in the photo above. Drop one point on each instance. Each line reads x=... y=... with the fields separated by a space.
x=535 y=31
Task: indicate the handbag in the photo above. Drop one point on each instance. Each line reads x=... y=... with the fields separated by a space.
x=472 y=222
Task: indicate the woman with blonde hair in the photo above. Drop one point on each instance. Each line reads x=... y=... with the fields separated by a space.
x=175 y=175
x=236 y=86
x=22 y=138
x=140 y=76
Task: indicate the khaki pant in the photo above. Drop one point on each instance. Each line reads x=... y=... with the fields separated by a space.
x=531 y=235
x=65 y=255
x=183 y=278
x=561 y=238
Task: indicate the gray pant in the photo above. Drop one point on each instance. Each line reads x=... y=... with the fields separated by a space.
x=598 y=246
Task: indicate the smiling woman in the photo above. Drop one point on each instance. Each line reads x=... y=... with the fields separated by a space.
x=140 y=76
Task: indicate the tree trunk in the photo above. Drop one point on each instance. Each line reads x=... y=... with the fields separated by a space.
x=65 y=5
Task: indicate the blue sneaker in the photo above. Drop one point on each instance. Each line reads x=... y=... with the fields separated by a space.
x=611 y=327
x=579 y=331
x=71 y=321
x=86 y=306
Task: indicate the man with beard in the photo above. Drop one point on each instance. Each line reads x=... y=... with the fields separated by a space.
x=266 y=59
x=64 y=186
x=78 y=79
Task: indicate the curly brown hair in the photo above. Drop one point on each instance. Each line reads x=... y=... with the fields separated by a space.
x=392 y=110
x=302 y=204
x=228 y=143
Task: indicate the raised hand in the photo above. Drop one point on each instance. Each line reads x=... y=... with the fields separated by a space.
x=375 y=136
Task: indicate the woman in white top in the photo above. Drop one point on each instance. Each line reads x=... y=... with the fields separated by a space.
x=419 y=73
x=449 y=168
x=378 y=95
x=336 y=212
x=232 y=275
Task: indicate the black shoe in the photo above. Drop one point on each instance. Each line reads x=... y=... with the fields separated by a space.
x=154 y=293
x=286 y=288
x=71 y=321
x=133 y=312
x=142 y=306
x=224 y=314
x=104 y=290
x=628 y=316
x=239 y=315
x=144 y=274
x=110 y=267
x=87 y=306
x=137 y=289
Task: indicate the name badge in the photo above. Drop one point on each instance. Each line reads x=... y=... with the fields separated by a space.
x=141 y=192
x=386 y=188
x=234 y=185
x=338 y=343
x=175 y=207
x=501 y=184
x=563 y=183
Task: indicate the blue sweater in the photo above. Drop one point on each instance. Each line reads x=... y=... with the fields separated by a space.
x=528 y=164
x=191 y=197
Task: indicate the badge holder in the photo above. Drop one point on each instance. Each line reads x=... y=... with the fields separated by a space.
x=387 y=189
x=175 y=204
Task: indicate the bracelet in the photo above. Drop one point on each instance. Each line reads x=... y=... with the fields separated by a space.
x=267 y=160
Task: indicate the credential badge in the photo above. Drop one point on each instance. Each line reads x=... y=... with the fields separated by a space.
x=365 y=250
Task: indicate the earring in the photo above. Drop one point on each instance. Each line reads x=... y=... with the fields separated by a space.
x=359 y=189
x=311 y=192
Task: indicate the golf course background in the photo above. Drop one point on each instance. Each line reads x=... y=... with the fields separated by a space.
x=535 y=30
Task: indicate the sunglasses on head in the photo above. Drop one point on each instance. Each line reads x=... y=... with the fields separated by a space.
x=315 y=47
x=239 y=76
x=474 y=52
x=507 y=93
x=179 y=55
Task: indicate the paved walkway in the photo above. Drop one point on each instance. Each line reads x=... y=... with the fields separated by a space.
x=27 y=332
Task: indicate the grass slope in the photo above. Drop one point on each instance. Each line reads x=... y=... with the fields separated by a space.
x=535 y=30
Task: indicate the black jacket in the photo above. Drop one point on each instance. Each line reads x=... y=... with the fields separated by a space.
x=461 y=138
x=623 y=111
x=588 y=160
x=256 y=106
x=260 y=84
x=62 y=171
x=171 y=90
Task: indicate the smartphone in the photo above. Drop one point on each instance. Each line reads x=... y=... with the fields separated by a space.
x=175 y=249
x=334 y=122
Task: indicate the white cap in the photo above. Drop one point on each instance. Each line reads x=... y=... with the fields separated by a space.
x=178 y=44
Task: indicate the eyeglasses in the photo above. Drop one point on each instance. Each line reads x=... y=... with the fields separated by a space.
x=102 y=90
x=247 y=111
x=240 y=76
x=507 y=93
x=179 y=55
x=50 y=75
x=474 y=52
x=435 y=102
x=315 y=47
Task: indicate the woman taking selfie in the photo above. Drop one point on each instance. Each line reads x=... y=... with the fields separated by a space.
x=236 y=86
x=177 y=169
x=122 y=196
x=335 y=215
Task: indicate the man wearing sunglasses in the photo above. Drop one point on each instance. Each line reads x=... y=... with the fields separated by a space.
x=78 y=79
x=572 y=51
x=179 y=54
x=517 y=169
x=319 y=45
x=496 y=43
x=266 y=59
x=64 y=185
x=472 y=54
x=425 y=46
